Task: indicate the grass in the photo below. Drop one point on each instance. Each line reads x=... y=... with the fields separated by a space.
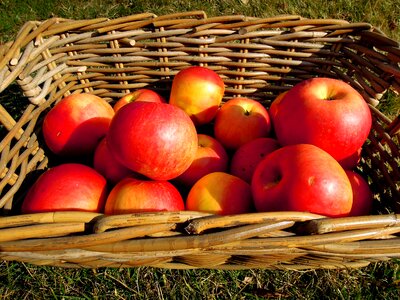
x=379 y=280
x=383 y=14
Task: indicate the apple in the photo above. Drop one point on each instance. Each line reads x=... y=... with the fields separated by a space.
x=325 y=112
x=303 y=178
x=220 y=193
x=67 y=187
x=132 y=195
x=198 y=91
x=248 y=156
x=76 y=124
x=139 y=95
x=362 y=194
x=351 y=161
x=273 y=109
x=157 y=140
x=211 y=157
x=107 y=165
x=241 y=120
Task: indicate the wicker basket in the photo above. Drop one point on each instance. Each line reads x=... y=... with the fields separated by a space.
x=255 y=57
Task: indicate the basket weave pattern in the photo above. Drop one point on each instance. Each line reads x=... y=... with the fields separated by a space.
x=258 y=58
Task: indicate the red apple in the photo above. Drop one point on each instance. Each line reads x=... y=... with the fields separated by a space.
x=302 y=177
x=157 y=140
x=198 y=91
x=75 y=125
x=220 y=193
x=132 y=195
x=351 y=161
x=211 y=157
x=273 y=109
x=139 y=95
x=67 y=187
x=362 y=195
x=325 y=112
x=239 y=121
x=107 y=165
x=248 y=156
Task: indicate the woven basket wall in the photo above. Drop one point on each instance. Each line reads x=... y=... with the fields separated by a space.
x=258 y=58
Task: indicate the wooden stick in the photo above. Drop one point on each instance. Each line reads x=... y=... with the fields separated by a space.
x=199 y=225
x=119 y=221
x=320 y=226
x=85 y=241
x=49 y=217
x=192 y=242
x=40 y=231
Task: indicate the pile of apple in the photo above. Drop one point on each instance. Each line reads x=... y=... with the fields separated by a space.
x=196 y=152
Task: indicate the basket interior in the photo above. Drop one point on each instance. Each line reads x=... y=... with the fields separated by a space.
x=257 y=58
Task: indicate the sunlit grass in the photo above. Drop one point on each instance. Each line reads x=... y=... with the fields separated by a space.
x=384 y=14
x=377 y=281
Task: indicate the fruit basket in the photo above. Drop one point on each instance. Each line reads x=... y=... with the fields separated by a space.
x=257 y=58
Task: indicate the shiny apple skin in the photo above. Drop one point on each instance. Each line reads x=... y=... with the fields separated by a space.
x=362 y=194
x=139 y=95
x=67 y=187
x=274 y=107
x=157 y=140
x=220 y=193
x=107 y=165
x=303 y=178
x=248 y=156
x=350 y=162
x=198 y=91
x=241 y=120
x=325 y=112
x=76 y=124
x=211 y=157
x=132 y=195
